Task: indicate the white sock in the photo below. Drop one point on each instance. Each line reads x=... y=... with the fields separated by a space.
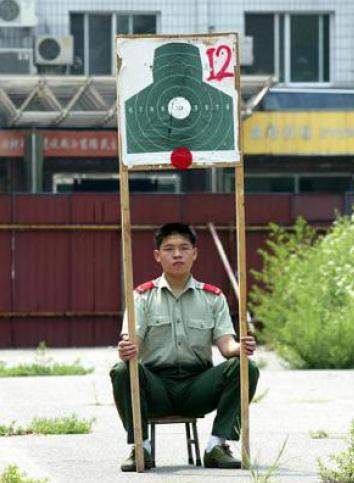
x=147 y=445
x=214 y=441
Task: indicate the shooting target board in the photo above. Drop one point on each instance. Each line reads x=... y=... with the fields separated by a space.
x=178 y=101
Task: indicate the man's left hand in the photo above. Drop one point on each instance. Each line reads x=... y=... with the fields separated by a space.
x=248 y=344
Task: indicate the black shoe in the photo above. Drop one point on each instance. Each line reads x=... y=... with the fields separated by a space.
x=220 y=457
x=130 y=465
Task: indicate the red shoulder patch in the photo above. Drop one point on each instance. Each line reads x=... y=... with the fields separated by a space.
x=211 y=288
x=144 y=287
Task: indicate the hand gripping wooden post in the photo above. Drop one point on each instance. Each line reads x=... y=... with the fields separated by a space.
x=129 y=303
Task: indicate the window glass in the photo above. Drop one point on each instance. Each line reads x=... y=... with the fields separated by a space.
x=100 y=44
x=144 y=24
x=122 y=24
x=261 y=28
x=281 y=35
x=269 y=185
x=304 y=50
x=324 y=184
x=326 y=47
x=77 y=31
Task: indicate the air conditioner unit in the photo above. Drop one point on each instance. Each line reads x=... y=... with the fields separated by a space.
x=17 y=13
x=54 y=50
x=246 y=50
x=16 y=61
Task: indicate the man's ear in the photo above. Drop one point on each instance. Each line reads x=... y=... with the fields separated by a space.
x=195 y=253
x=157 y=255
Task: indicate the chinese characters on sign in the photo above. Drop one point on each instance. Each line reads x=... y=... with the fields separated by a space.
x=287 y=132
x=58 y=144
x=299 y=133
x=80 y=144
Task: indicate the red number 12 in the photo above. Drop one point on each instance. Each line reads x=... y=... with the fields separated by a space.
x=222 y=73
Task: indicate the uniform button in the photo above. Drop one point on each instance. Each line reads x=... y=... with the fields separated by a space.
x=179 y=343
x=178 y=321
x=157 y=322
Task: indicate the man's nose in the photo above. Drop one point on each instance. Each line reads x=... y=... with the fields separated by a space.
x=177 y=252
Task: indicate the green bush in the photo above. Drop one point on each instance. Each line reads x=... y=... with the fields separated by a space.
x=305 y=296
x=344 y=470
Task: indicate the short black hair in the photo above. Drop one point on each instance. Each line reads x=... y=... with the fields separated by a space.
x=175 y=229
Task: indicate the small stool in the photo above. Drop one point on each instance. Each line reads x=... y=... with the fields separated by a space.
x=188 y=421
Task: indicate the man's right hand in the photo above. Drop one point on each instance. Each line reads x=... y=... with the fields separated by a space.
x=126 y=349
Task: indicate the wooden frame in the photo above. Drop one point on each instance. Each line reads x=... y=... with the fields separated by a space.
x=241 y=257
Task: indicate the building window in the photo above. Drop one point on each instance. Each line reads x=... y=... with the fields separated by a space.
x=94 y=38
x=325 y=184
x=293 y=47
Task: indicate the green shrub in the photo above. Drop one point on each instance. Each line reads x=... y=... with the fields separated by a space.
x=344 y=470
x=305 y=296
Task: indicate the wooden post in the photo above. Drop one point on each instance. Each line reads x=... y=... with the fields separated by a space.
x=242 y=303
x=129 y=304
x=242 y=280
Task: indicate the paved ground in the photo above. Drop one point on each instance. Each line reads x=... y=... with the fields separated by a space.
x=294 y=403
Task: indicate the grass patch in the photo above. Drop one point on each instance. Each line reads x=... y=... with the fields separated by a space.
x=320 y=434
x=343 y=469
x=65 y=425
x=44 y=366
x=52 y=369
x=13 y=474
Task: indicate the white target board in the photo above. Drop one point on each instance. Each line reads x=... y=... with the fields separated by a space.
x=178 y=103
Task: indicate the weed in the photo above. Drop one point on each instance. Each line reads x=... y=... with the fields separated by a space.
x=44 y=366
x=52 y=369
x=320 y=434
x=13 y=474
x=266 y=477
x=64 y=425
x=344 y=470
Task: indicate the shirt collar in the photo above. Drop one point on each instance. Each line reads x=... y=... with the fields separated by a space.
x=163 y=283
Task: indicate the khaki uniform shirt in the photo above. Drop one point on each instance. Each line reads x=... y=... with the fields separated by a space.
x=179 y=330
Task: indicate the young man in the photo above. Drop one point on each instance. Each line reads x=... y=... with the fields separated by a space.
x=177 y=321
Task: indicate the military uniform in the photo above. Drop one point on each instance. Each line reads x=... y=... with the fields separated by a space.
x=175 y=360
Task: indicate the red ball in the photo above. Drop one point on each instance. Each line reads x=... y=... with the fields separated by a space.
x=181 y=158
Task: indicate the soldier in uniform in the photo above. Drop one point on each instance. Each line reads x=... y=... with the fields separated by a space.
x=177 y=320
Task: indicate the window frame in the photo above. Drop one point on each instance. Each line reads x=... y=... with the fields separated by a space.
x=86 y=41
x=284 y=76
x=229 y=180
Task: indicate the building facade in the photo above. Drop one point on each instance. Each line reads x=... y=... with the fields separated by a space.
x=57 y=92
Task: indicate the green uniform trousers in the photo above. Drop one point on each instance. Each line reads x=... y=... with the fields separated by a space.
x=186 y=392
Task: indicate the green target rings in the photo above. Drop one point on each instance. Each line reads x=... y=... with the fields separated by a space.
x=178 y=108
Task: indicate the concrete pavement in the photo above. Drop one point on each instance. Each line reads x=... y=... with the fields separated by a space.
x=294 y=403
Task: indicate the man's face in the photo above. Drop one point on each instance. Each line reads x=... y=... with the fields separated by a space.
x=176 y=255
